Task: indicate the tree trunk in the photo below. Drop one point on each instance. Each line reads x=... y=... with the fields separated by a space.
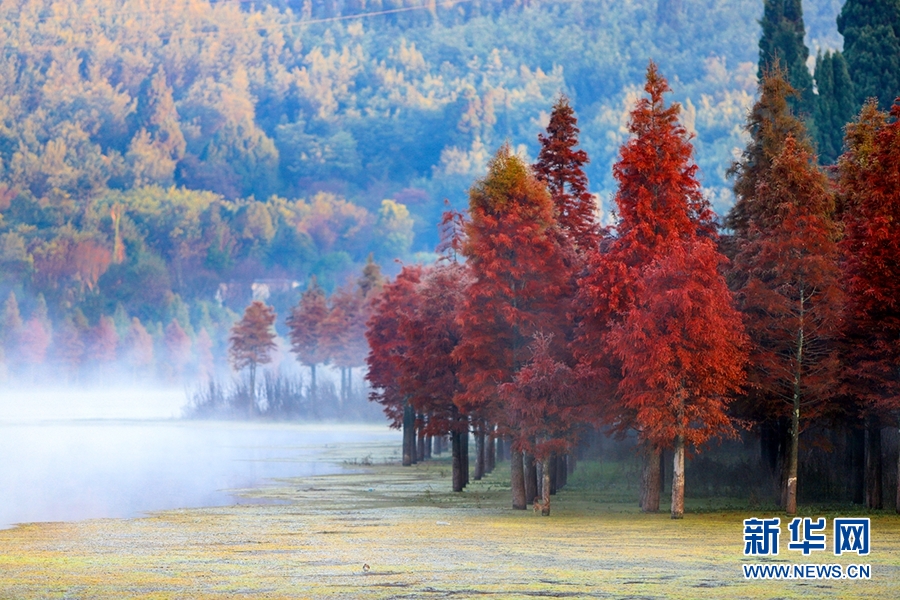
x=456 y=460
x=517 y=480
x=678 y=479
x=773 y=454
x=856 y=439
x=420 y=442
x=650 y=480
x=530 y=479
x=553 y=463
x=409 y=432
x=479 y=450
x=491 y=455
x=662 y=473
x=790 y=499
x=251 y=401
x=897 y=505
x=429 y=443
x=561 y=471
x=546 y=487
x=874 y=469
x=465 y=446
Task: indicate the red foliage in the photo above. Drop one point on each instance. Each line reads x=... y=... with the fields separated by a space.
x=560 y=167
x=178 y=348
x=521 y=283
x=544 y=399
x=139 y=344
x=343 y=330
x=431 y=332
x=870 y=182
x=387 y=345
x=681 y=347
x=252 y=339
x=791 y=296
x=660 y=206
x=104 y=341
x=90 y=261
x=34 y=340
x=305 y=323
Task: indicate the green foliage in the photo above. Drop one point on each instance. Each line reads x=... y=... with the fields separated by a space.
x=834 y=105
x=871 y=30
x=782 y=43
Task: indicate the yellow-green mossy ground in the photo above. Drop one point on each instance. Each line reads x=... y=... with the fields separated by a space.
x=385 y=531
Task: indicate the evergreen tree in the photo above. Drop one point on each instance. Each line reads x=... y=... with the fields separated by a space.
x=770 y=123
x=787 y=263
x=782 y=43
x=871 y=30
x=652 y=290
x=561 y=167
x=251 y=343
x=835 y=105
x=305 y=324
x=519 y=288
x=869 y=176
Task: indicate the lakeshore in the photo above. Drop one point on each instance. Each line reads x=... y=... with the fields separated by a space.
x=381 y=530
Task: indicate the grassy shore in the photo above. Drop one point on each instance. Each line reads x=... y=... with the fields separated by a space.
x=386 y=531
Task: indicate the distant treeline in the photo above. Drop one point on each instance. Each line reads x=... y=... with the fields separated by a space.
x=160 y=162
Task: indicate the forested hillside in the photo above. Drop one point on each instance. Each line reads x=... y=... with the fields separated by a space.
x=157 y=157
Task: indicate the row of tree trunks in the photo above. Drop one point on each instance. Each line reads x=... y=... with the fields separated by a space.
x=479 y=451
x=420 y=437
x=491 y=456
x=856 y=457
x=864 y=463
x=874 y=466
x=409 y=435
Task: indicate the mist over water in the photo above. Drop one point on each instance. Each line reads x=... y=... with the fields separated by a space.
x=78 y=454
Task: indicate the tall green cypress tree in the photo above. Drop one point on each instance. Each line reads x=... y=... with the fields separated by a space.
x=835 y=105
x=871 y=30
x=782 y=43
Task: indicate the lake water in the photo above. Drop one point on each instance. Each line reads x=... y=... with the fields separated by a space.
x=69 y=455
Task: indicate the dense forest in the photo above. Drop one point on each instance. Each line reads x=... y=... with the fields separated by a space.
x=540 y=324
x=167 y=167
x=158 y=161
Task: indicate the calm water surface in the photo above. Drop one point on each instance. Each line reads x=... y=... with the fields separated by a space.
x=76 y=455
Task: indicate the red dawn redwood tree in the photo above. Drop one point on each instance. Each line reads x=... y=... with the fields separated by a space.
x=561 y=167
x=305 y=325
x=770 y=123
x=659 y=206
x=683 y=352
x=387 y=347
x=251 y=343
x=520 y=286
x=870 y=186
x=791 y=295
x=548 y=407
x=428 y=371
